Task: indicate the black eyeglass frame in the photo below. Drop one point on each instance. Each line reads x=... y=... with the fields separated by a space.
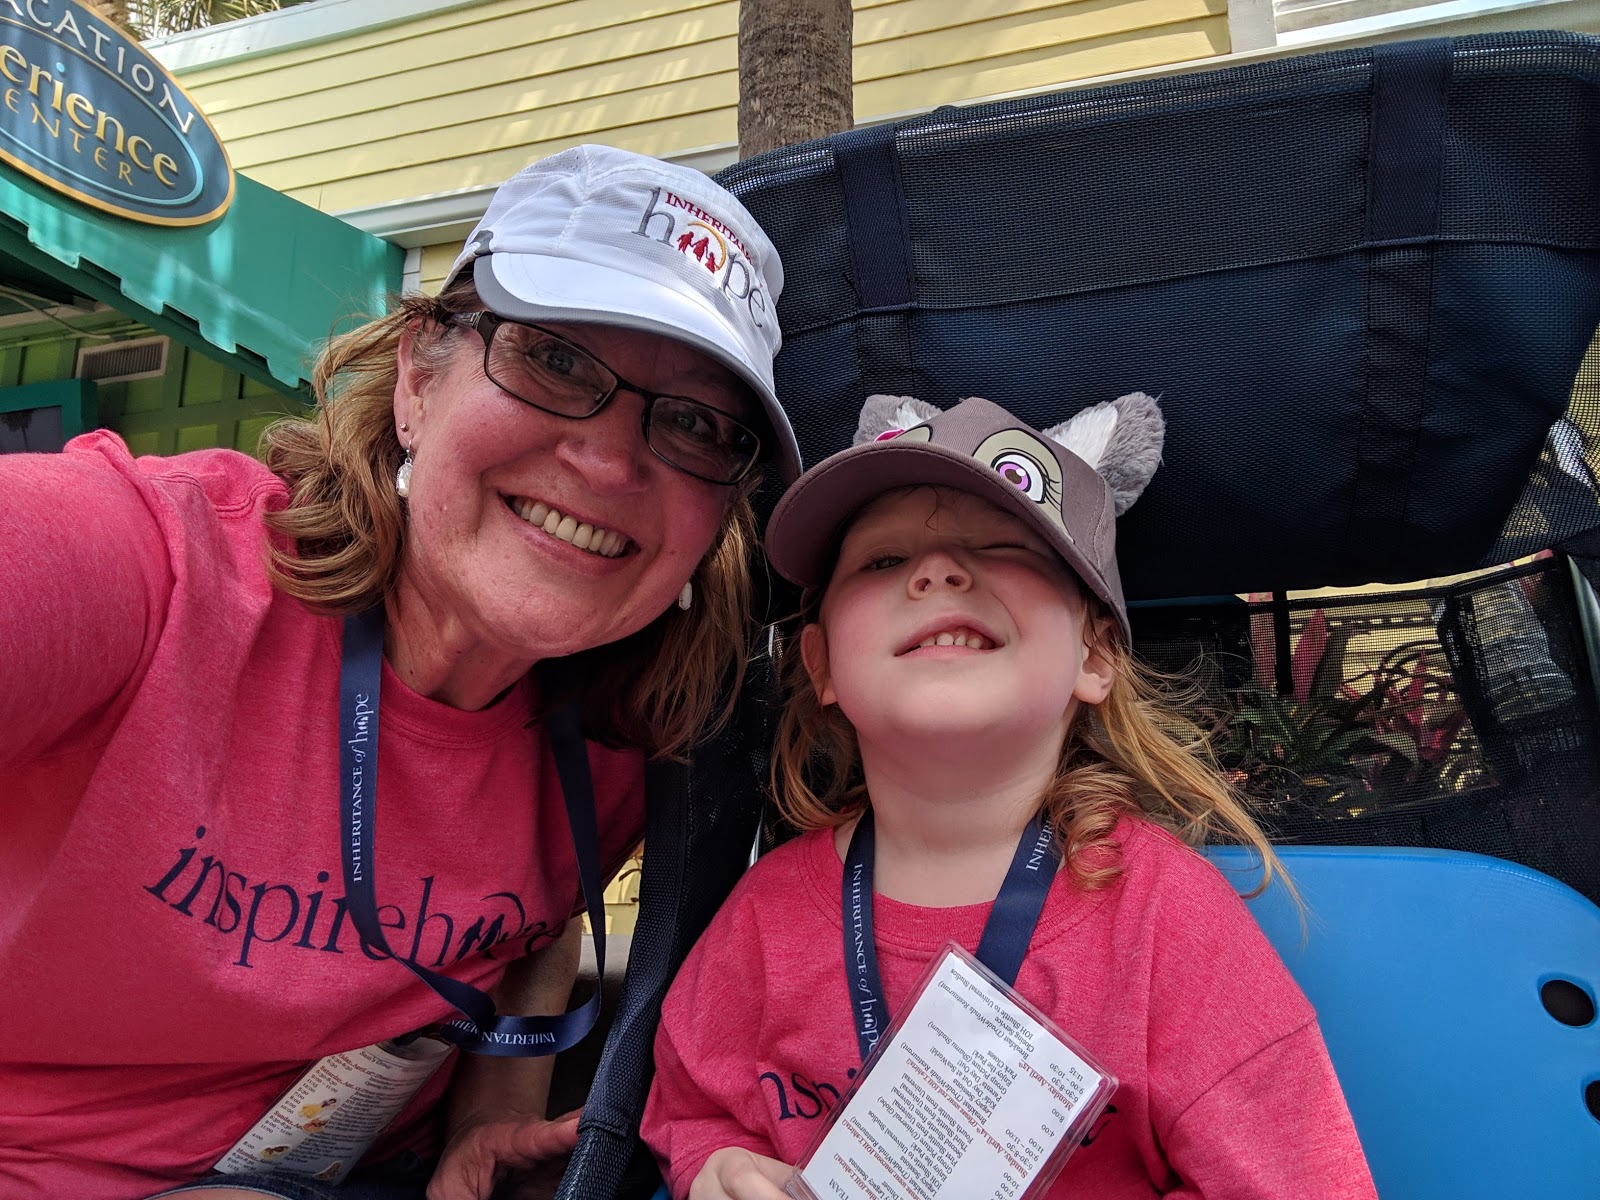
x=485 y=323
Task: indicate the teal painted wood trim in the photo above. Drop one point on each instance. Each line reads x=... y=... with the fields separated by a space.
x=76 y=398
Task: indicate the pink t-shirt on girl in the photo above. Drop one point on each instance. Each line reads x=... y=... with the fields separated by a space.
x=1225 y=1085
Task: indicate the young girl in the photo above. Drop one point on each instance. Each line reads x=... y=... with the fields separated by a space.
x=965 y=669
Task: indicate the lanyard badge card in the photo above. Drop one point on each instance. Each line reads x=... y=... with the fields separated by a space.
x=974 y=1093
x=324 y=1123
x=334 y=1112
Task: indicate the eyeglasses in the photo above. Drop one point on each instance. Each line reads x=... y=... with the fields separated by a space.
x=544 y=370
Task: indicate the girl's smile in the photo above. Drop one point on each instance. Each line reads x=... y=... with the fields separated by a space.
x=960 y=636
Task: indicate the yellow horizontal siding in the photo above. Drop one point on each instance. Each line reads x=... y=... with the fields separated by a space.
x=503 y=54
x=436 y=261
x=912 y=35
x=464 y=98
x=973 y=54
x=592 y=99
x=457 y=35
x=481 y=155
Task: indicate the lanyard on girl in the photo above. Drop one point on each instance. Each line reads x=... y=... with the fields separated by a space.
x=484 y=1031
x=1006 y=934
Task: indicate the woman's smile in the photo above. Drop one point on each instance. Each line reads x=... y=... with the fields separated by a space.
x=586 y=536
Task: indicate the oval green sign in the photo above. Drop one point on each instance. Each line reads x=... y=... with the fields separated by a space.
x=85 y=110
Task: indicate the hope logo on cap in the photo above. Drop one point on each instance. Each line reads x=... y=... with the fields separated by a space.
x=709 y=241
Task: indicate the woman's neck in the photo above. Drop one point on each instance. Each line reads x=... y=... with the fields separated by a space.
x=946 y=837
x=437 y=656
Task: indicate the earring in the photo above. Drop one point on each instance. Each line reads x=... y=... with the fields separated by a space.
x=402 y=477
x=686 y=597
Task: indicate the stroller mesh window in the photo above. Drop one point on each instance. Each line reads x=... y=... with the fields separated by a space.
x=1461 y=717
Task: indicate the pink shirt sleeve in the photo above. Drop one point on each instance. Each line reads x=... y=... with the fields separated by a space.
x=85 y=579
x=1274 y=1126
x=702 y=1098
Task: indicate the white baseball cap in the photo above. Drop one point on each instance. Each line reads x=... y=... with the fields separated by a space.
x=605 y=236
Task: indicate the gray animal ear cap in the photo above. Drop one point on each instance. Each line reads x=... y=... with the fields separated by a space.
x=1069 y=482
x=884 y=417
x=1121 y=439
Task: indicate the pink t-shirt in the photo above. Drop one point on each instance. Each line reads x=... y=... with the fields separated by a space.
x=174 y=946
x=1225 y=1091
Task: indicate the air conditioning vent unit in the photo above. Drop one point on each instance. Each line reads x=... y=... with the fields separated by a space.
x=141 y=358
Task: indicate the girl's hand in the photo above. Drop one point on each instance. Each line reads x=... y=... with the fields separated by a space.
x=481 y=1153
x=733 y=1173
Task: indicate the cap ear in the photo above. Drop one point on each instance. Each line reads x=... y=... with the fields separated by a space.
x=1121 y=439
x=891 y=414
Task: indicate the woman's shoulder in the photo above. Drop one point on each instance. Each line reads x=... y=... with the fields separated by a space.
x=161 y=525
x=229 y=480
x=177 y=491
x=201 y=518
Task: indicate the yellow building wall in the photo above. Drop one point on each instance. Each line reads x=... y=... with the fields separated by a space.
x=436 y=261
x=464 y=98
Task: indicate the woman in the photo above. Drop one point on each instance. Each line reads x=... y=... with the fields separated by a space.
x=547 y=464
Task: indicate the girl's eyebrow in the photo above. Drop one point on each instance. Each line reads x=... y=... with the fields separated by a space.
x=868 y=526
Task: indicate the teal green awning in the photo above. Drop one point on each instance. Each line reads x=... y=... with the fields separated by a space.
x=259 y=288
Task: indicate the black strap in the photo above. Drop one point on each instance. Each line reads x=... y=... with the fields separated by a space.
x=484 y=1031
x=878 y=220
x=701 y=821
x=1405 y=163
x=875 y=207
x=1405 y=147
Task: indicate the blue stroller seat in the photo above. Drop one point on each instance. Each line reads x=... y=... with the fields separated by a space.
x=1456 y=993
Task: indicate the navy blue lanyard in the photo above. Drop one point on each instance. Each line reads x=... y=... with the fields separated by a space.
x=483 y=1031
x=1006 y=934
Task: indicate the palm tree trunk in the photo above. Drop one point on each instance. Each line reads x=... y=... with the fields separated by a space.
x=795 y=78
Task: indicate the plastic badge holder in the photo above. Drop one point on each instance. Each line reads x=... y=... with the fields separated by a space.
x=328 y=1118
x=973 y=1093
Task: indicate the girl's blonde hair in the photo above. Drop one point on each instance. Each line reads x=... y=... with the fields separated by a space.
x=1133 y=753
x=344 y=529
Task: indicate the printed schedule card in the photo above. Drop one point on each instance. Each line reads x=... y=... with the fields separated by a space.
x=975 y=1095
x=324 y=1123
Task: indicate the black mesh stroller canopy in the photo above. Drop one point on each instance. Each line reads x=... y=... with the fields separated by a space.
x=1362 y=285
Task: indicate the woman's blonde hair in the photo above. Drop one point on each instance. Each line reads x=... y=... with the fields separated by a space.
x=1133 y=753
x=344 y=527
